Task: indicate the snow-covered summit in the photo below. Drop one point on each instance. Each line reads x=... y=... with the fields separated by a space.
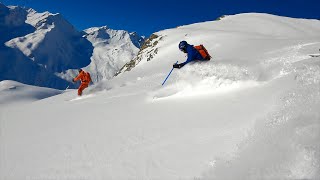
x=55 y=44
x=109 y=36
x=12 y=23
x=35 y=17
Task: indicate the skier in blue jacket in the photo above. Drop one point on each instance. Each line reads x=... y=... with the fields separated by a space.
x=193 y=54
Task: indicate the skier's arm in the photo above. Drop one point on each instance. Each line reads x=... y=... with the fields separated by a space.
x=77 y=78
x=189 y=59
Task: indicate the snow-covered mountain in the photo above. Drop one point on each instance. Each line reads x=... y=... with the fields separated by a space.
x=54 y=49
x=55 y=44
x=12 y=23
x=112 y=49
x=14 y=64
x=147 y=51
x=252 y=112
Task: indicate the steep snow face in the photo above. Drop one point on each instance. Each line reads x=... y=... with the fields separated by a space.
x=56 y=44
x=112 y=49
x=252 y=112
x=14 y=64
x=12 y=23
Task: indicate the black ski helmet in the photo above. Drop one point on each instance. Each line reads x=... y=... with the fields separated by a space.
x=183 y=46
x=80 y=70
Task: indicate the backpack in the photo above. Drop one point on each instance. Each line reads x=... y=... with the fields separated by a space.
x=203 y=52
x=88 y=77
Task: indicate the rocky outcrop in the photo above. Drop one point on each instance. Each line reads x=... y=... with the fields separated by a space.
x=147 y=51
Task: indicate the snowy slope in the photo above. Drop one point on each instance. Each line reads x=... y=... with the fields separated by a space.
x=252 y=112
x=13 y=93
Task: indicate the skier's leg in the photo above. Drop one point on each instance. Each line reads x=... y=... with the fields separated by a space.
x=80 y=91
x=81 y=88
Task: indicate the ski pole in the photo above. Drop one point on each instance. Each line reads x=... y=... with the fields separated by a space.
x=66 y=88
x=168 y=75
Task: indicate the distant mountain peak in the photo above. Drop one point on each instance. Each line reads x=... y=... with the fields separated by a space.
x=47 y=42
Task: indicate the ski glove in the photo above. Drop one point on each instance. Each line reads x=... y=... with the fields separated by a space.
x=177 y=66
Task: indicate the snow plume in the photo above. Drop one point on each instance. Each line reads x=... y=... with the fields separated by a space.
x=203 y=78
x=285 y=145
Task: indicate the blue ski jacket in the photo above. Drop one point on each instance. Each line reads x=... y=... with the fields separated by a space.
x=193 y=54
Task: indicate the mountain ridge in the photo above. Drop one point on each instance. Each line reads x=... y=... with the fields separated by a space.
x=51 y=46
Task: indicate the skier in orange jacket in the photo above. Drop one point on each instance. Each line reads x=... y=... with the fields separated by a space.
x=85 y=79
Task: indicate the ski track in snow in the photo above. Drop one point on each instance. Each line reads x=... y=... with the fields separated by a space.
x=82 y=97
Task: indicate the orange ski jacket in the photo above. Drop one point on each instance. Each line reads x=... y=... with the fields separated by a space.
x=84 y=77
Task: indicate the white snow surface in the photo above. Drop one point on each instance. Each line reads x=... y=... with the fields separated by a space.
x=13 y=93
x=252 y=112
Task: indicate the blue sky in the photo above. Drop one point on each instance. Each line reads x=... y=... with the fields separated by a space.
x=147 y=16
